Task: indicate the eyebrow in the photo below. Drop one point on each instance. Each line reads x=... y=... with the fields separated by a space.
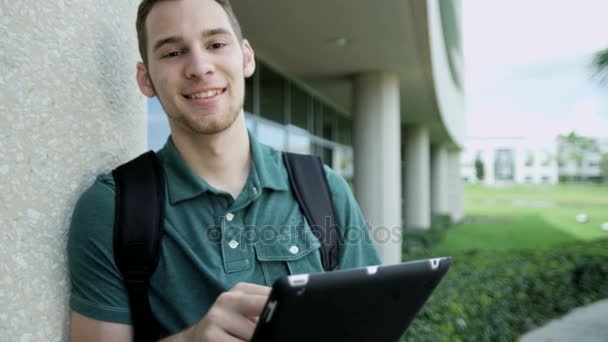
x=179 y=39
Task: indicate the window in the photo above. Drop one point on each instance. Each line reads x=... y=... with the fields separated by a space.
x=271 y=134
x=248 y=104
x=300 y=107
x=317 y=118
x=345 y=131
x=272 y=95
x=299 y=142
x=328 y=130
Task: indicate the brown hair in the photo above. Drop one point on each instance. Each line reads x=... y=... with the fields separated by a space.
x=146 y=6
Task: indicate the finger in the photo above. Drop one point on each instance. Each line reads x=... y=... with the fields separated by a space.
x=247 y=305
x=221 y=335
x=237 y=326
x=226 y=319
x=251 y=305
x=252 y=289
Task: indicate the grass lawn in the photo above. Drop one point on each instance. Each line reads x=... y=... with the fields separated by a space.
x=538 y=217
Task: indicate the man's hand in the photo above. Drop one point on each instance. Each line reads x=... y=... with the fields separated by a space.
x=232 y=317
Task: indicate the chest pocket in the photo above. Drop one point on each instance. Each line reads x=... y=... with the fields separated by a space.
x=293 y=250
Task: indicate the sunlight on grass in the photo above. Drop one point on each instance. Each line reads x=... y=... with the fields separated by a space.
x=527 y=217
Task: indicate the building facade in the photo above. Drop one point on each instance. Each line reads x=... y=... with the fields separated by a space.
x=510 y=160
x=528 y=160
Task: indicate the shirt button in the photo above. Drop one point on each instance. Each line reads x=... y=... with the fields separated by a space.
x=229 y=217
x=294 y=249
x=255 y=190
x=233 y=244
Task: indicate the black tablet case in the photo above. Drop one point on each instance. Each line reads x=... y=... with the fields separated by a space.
x=349 y=305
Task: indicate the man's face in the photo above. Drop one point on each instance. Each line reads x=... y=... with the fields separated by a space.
x=196 y=65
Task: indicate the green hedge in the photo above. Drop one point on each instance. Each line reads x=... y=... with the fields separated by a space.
x=499 y=296
x=418 y=241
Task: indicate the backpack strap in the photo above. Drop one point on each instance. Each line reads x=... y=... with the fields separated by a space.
x=309 y=186
x=138 y=229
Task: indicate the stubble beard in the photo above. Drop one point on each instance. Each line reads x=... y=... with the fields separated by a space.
x=198 y=127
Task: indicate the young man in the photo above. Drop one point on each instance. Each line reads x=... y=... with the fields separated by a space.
x=225 y=195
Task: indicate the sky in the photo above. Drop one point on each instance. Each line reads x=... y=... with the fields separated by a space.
x=528 y=67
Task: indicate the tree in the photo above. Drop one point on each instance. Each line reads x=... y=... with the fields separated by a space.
x=575 y=148
x=479 y=168
x=604 y=166
x=600 y=64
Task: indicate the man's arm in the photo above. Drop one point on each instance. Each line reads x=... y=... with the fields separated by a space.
x=232 y=318
x=87 y=329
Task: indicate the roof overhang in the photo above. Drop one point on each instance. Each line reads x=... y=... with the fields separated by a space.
x=322 y=44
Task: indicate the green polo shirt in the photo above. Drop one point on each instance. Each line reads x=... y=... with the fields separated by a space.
x=211 y=242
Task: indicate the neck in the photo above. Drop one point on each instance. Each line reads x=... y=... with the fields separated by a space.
x=222 y=159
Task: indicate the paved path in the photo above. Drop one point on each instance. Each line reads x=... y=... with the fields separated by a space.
x=586 y=324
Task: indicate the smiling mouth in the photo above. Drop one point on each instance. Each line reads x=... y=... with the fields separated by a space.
x=206 y=94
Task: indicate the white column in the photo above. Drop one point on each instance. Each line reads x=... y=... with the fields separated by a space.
x=70 y=110
x=456 y=186
x=377 y=158
x=439 y=180
x=417 y=177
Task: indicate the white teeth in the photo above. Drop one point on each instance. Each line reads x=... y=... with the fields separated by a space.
x=205 y=94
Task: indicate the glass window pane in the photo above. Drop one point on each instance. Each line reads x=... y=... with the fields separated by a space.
x=158 y=126
x=345 y=130
x=343 y=162
x=317 y=118
x=248 y=104
x=325 y=153
x=299 y=107
x=329 y=124
x=272 y=93
x=271 y=135
x=299 y=143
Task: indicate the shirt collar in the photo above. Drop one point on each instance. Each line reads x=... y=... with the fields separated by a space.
x=267 y=171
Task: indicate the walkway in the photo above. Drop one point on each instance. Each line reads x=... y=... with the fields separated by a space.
x=586 y=324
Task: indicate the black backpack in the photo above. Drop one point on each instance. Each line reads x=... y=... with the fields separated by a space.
x=138 y=224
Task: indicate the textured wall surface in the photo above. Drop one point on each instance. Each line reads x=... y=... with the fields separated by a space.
x=70 y=109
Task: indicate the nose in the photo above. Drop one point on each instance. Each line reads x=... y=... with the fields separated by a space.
x=199 y=65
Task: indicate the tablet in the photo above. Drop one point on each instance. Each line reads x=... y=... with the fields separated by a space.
x=375 y=303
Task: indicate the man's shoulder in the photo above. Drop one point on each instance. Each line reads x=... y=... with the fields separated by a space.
x=97 y=200
x=336 y=182
x=102 y=186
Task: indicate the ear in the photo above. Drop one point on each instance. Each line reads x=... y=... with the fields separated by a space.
x=143 y=80
x=249 y=59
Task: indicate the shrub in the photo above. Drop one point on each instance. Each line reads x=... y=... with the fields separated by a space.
x=418 y=241
x=499 y=296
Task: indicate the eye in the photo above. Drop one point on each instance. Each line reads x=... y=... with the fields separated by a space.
x=216 y=46
x=172 y=54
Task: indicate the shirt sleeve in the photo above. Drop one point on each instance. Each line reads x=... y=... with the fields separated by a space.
x=97 y=288
x=358 y=249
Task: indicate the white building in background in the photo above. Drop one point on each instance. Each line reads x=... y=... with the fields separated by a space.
x=521 y=160
x=511 y=160
x=588 y=167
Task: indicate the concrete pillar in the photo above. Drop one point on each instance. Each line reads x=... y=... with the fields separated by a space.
x=70 y=109
x=417 y=165
x=456 y=186
x=377 y=158
x=439 y=180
